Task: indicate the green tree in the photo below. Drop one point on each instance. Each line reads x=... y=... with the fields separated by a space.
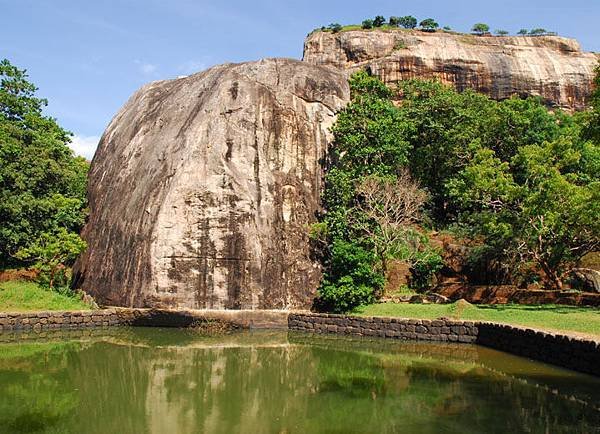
x=591 y=118
x=501 y=32
x=523 y=32
x=367 y=24
x=408 y=22
x=480 y=28
x=51 y=254
x=378 y=21
x=538 y=32
x=42 y=185
x=429 y=24
x=335 y=27
x=394 y=21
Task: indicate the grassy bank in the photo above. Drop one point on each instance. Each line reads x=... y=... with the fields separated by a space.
x=19 y=296
x=578 y=320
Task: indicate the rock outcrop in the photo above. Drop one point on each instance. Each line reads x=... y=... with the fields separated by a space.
x=203 y=187
x=552 y=67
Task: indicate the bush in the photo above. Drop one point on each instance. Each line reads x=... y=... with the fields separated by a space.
x=429 y=25
x=394 y=21
x=335 y=27
x=480 y=28
x=378 y=21
x=408 y=22
x=367 y=24
x=351 y=279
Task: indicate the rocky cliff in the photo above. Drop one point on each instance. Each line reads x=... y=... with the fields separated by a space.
x=552 y=67
x=202 y=189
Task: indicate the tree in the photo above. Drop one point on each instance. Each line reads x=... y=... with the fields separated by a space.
x=480 y=28
x=447 y=28
x=335 y=27
x=591 y=129
x=538 y=32
x=391 y=206
x=379 y=21
x=394 y=21
x=523 y=32
x=408 y=22
x=367 y=24
x=501 y=32
x=51 y=254
x=42 y=185
x=429 y=25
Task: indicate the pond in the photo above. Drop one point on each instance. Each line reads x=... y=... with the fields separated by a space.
x=178 y=381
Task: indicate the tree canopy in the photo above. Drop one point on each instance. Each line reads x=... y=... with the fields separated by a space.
x=42 y=184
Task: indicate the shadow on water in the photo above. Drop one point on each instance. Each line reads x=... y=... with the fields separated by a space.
x=176 y=381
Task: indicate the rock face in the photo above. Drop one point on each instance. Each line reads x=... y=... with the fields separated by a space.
x=552 y=67
x=203 y=187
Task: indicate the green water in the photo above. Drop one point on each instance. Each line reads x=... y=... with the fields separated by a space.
x=173 y=381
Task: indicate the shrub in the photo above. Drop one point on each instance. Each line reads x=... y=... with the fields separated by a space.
x=379 y=21
x=335 y=27
x=351 y=279
x=523 y=32
x=501 y=32
x=367 y=24
x=480 y=28
x=394 y=21
x=429 y=25
x=408 y=22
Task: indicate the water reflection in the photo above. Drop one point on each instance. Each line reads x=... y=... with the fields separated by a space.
x=172 y=381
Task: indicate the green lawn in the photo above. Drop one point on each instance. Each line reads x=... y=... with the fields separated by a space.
x=18 y=296
x=578 y=320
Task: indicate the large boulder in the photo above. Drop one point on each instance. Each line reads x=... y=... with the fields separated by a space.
x=552 y=67
x=203 y=187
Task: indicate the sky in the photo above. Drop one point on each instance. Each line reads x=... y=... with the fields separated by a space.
x=88 y=56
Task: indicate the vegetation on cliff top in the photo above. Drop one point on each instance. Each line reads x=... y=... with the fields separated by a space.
x=520 y=182
x=427 y=25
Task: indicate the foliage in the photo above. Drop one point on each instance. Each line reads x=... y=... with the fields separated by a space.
x=408 y=22
x=378 y=21
x=367 y=24
x=523 y=32
x=538 y=32
x=501 y=32
x=429 y=24
x=447 y=28
x=335 y=27
x=42 y=185
x=51 y=254
x=394 y=21
x=591 y=119
x=480 y=28
x=351 y=278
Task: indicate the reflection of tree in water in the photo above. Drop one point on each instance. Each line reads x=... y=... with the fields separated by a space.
x=34 y=383
x=146 y=382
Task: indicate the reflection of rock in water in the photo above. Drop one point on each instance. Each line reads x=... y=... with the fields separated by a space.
x=157 y=381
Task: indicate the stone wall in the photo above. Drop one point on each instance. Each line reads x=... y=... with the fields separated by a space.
x=575 y=353
x=38 y=321
x=579 y=354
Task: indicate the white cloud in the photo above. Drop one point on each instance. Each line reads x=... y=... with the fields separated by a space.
x=146 y=68
x=192 y=66
x=84 y=145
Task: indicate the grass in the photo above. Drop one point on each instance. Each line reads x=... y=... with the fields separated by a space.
x=21 y=296
x=575 y=320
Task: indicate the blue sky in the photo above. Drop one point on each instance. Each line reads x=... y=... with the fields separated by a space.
x=87 y=57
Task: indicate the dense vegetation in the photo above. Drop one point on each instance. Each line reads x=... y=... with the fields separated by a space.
x=521 y=183
x=42 y=184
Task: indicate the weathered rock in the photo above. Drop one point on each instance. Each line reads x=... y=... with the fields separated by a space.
x=202 y=189
x=552 y=67
x=586 y=278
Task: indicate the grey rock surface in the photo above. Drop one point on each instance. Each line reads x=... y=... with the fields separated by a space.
x=203 y=187
x=552 y=67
